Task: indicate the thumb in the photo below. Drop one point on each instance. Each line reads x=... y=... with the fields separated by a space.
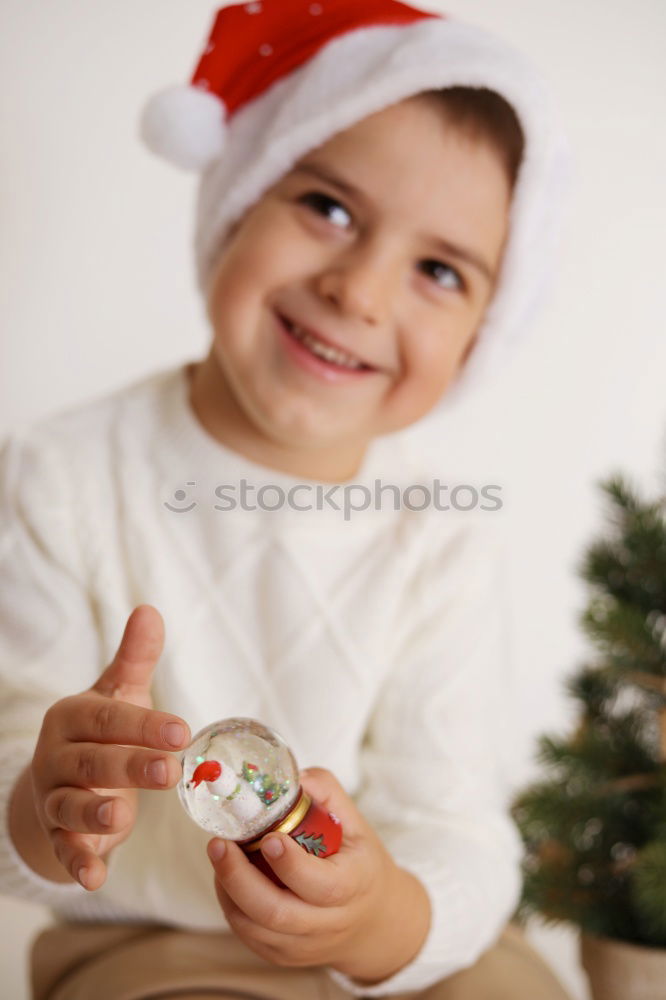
x=129 y=675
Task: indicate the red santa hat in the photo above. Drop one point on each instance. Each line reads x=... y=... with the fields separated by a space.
x=250 y=47
x=280 y=77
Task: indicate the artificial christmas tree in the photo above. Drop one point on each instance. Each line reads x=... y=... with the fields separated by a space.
x=595 y=828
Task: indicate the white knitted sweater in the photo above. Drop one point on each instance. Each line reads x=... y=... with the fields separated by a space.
x=373 y=645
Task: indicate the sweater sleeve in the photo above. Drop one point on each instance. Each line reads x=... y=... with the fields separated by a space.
x=431 y=784
x=48 y=640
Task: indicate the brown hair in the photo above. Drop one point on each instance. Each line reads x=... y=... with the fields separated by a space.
x=483 y=114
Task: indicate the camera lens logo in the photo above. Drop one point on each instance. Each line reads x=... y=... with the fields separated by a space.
x=181 y=496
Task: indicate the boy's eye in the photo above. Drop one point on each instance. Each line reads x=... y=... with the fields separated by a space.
x=335 y=210
x=445 y=271
x=324 y=205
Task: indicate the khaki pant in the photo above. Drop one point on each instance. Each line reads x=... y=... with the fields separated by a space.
x=141 y=962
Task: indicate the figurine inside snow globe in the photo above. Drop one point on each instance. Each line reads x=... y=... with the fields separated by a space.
x=240 y=781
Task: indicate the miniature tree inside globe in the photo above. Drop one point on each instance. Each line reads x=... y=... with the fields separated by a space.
x=240 y=781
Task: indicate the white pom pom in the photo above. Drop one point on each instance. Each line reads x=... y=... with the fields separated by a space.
x=185 y=125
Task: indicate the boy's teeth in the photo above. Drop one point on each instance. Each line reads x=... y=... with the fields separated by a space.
x=323 y=350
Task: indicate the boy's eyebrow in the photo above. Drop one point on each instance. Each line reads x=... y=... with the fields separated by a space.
x=444 y=246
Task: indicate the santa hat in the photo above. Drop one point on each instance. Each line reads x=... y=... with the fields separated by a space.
x=278 y=78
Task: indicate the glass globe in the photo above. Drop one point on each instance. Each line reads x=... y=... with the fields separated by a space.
x=239 y=778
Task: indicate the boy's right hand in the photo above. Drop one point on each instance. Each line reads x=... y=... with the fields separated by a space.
x=92 y=744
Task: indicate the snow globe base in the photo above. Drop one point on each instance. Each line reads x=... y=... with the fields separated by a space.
x=316 y=830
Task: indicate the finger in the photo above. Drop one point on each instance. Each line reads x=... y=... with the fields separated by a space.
x=321 y=882
x=78 y=855
x=236 y=919
x=82 y=811
x=259 y=899
x=322 y=786
x=129 y=675
x=89 y=718
x=268 y=944
x=96 y=765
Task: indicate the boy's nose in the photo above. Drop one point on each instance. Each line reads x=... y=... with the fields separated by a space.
x=359 y=285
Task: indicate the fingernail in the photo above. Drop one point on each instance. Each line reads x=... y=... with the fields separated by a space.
x=157 y=771
x=216 y=850
x=174 y=734
x=273 y=847
x=104 y=813
x=82 y=876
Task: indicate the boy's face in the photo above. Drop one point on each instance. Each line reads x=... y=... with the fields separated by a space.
x=361 y=274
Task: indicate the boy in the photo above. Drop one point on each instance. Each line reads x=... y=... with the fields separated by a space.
x=354 y=227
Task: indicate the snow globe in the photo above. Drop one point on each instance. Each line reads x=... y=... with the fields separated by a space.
x=240 y=781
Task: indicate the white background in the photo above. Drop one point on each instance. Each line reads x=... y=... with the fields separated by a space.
x=98 y=288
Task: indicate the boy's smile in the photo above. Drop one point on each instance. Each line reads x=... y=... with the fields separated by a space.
x=320 y=354
x=338 y=315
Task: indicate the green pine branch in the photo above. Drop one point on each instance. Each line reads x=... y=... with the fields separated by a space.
x=625 y=635
x=605 y=749
x=594 y=687
x=629 y=565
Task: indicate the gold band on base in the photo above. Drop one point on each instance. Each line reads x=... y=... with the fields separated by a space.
x=289 y=823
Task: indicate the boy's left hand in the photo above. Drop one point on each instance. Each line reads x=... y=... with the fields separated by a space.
x=355 y=911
